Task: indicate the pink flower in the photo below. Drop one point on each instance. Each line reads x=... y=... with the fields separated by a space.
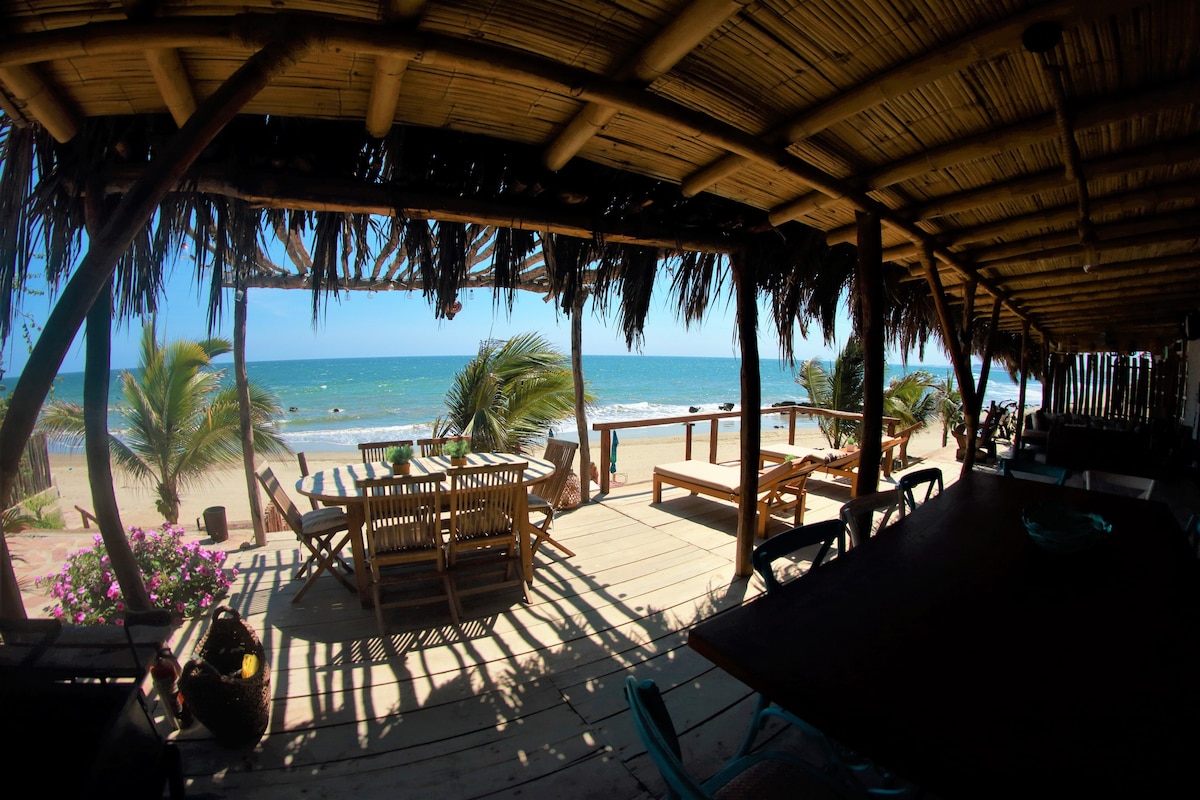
x=80 y=617
x=58 y=612
x=206 y=601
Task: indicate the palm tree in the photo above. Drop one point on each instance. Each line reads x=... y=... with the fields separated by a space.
x=841 y=390
x=181 y=423
x=510 y=393
x=948 y=401
x=911 y=398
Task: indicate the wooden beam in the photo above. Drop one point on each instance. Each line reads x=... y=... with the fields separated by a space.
x=389 y=71
x=272 y=190
x=869 y=309
x=945 y=59
x=245 y=419
x=745 y=284
x=96 y=267
x=166 y=66
x=687 y=30
x=958 y=359
x=41 y=101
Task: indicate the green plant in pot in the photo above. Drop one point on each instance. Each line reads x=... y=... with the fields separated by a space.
x=457 y=450
x=400 y=457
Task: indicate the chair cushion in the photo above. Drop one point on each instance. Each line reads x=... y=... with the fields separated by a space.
x=537 y=503
x=715 y=476
x=323 y=520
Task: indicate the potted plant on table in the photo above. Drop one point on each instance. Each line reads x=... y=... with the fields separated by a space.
x=400 y=458
x=457 y=450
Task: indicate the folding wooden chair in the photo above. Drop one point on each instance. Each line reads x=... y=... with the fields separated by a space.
x=562 y=453
x=403 y=531
x=316 y=530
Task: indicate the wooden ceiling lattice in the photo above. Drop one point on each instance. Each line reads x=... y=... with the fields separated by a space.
x=1014 y=169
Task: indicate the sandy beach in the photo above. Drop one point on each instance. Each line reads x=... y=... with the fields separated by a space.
x=636 y=458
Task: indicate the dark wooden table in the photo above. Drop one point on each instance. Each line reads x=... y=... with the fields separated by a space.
x=954 y=651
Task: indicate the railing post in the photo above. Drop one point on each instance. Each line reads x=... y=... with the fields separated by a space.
x=712 y=440
x=791 y=424
x=605 y=453
x=687 y=441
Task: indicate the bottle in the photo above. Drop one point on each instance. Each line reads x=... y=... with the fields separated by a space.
x=165 y=672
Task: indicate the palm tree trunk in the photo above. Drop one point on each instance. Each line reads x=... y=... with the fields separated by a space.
x=97 y=367
x=97 y=267
x=243 y=390
x=870 y=323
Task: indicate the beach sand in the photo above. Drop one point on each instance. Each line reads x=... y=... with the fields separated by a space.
x=636 y=458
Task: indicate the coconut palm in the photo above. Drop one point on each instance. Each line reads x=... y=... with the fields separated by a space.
x=948 y=401
x=839 y=390
x=911 y=398
x=510 y=393
x=180 y=422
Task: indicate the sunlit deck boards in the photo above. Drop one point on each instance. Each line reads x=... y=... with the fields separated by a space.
x=523 y=700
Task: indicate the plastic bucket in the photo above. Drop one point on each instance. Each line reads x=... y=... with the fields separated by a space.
x=215 y=523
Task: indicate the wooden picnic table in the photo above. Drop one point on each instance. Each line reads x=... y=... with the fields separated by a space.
x=957 y=653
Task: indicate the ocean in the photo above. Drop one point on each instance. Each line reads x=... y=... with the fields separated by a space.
x=332 y=404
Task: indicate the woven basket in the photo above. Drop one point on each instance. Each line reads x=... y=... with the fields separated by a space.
x=234 y=708
x=571 y=495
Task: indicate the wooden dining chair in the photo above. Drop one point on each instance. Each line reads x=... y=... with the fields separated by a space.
x=377 y=451
x=316 y=530
x=561 y=453
x=433 y=446
x=302 y=460
x=405 y=545
x=915 y=488
x=867 y=515
x=486 y=512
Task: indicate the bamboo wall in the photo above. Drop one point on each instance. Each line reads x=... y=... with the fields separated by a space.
x=1138 y=388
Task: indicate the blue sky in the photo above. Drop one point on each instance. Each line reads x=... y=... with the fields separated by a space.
x=358 y=324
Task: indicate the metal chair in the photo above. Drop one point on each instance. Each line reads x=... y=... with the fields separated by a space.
x=483 y=524
x=909 y=487
x=859 y=515
x=562 y=454
x=316 y=530
x=1033 y=470
x=377 y=451
x=765 y=774
x=403 y=529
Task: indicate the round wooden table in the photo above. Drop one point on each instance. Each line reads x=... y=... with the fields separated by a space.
x=338 y=486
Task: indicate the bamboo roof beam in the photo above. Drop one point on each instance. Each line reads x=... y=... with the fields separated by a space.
x=170 y=75
x=480 y=59
x=689 y=28
x=1079 y=255
x=944 y=60
x=1147 y=230
x=1118 y=165
x=41 y=101
x=389 y=71
x=269 y=190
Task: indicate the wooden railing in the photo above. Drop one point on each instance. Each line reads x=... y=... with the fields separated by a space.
x=714 y=418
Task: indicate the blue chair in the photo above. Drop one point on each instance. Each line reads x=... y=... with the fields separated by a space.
x=859 y=514
x=755 y=775
x=819 y=533
x=924 y=483
x=1012 y=468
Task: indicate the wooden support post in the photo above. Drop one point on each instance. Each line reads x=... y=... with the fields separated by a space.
x=713 y=433
x=1019 y=437
x=605 y=450
x=96 y=267
x=986 y=364
x=242 y=380
x=746 y=286
x=869 y=308
x=585 y=451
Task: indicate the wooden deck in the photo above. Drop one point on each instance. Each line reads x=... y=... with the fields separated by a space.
x=521 y=700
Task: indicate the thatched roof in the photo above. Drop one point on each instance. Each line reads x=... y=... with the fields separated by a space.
x=1057 y=174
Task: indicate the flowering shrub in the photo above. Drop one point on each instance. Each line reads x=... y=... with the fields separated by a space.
x=180 y=577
